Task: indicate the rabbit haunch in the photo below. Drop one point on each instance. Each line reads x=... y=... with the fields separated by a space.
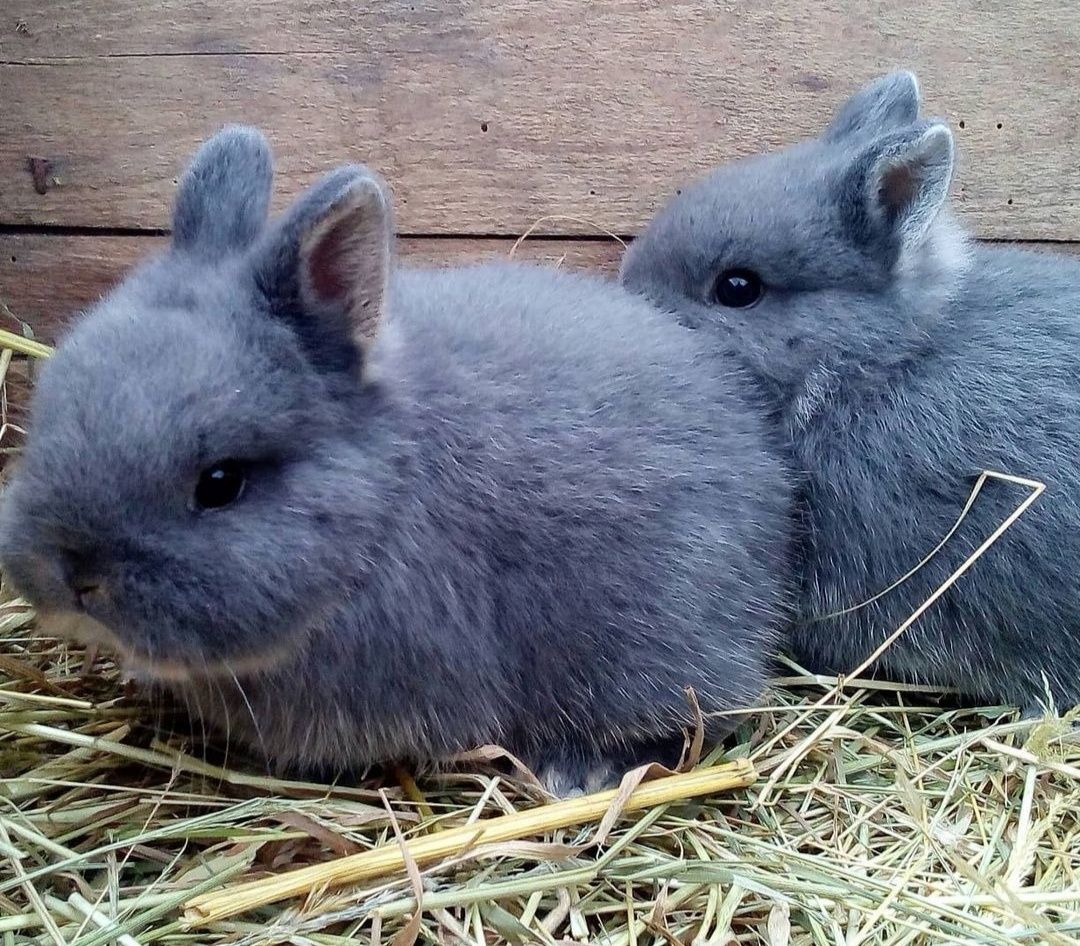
x=899 y=361
x=353 y=512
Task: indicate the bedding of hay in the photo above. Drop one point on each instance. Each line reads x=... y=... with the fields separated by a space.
x=881 y=816
x=878 y=818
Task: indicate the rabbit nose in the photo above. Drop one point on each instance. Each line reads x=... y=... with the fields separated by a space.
x=83 y=581
x=85 y=593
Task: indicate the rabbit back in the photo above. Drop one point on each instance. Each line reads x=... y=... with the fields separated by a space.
x=995 y=388
x=593 y=523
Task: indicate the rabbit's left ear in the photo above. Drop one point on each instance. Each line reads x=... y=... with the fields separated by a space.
x=325 y=265
x=222 y=199
x=894 y=189
x=887 y=103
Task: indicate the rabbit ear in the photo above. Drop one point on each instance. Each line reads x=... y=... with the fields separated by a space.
x=345 y=258
x=326 y=265
x=887 y=103
x=897 y=186
x=223 y=196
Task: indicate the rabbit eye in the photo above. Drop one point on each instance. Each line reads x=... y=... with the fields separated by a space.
x=220 y=485
x=738 y=288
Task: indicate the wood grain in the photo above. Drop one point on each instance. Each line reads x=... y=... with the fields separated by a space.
x=46 y=279
x=487 y=115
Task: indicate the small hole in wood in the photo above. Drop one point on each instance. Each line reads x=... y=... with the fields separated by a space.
x=483 y=126
x=999 y=125
x=592 y=193
x=14 y=260
x=961 y=124
x=1009 y=201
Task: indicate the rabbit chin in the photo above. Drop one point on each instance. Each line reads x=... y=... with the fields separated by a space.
x=145 y=668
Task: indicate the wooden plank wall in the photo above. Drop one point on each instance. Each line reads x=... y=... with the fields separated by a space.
x=491 y=116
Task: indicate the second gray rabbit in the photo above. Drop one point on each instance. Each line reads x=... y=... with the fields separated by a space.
x=353 y=512
x=899 y=361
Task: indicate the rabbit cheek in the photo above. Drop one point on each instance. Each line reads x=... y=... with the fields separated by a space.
x=38 y=578
x=178 y=644
x=170 y=670
x=156 y=662
x=250 y=664
x=150 y=670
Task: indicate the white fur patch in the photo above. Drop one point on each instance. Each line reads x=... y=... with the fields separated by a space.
x=817 y=389
x=938 y=265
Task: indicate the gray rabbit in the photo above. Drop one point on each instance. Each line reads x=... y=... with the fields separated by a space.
x=354 y=512
x=899 y=361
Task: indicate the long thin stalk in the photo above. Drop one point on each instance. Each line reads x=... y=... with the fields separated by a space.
x=220 y=905
x=23 y=345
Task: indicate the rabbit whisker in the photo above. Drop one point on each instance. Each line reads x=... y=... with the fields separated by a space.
x=251 y=713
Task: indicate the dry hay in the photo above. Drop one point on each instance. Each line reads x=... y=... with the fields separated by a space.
x=881 y=817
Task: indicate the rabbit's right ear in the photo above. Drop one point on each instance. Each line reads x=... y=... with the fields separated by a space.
x=222 y=199
x=325 y=265
x=887 y=103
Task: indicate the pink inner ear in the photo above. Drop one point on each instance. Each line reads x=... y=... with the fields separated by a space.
x=328 y=267
x=899 y=186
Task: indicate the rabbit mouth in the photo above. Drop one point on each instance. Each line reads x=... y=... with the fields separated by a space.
x=149 y=669
x=145 y=666
x=77 y=626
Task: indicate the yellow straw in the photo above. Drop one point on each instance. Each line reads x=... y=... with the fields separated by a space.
x=24 y=346
x=220 y=905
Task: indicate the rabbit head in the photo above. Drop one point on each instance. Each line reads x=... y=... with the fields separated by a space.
x=193 y=439
x=836 y=250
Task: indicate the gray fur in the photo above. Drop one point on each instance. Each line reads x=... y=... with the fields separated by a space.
x=222 y=201
x=527 y=513
x=889 y=102
x=899 y=361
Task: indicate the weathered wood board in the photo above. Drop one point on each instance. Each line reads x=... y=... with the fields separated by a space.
x=487 y=115
x=45 y=279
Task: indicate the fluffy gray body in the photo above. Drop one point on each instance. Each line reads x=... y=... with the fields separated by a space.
x=899 y=362
x=525 y=511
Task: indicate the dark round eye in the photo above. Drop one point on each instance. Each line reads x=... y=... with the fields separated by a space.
x=220 y=484
x=738 y=288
